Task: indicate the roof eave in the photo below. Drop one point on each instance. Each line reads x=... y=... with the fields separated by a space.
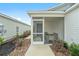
x=13 y=19
x=71 y=8
x=46 y=13
x=57 y=6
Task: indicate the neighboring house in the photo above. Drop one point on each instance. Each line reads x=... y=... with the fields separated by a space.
x=10 y=26
x=60 y=22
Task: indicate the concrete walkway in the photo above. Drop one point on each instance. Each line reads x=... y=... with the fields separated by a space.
x=39 y=50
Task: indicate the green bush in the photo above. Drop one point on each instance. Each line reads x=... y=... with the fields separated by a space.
x=1 y=40
x=66 y=45
x=74 y=49
x=21 y=36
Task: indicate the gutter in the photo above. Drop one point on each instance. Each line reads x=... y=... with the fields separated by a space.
x=39 y=12
x=71 y=8
x=45 y=12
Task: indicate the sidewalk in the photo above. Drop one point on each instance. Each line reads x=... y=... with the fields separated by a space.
x=39 y=50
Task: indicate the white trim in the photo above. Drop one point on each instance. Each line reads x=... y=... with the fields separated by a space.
x=39 y=12
x=37 y=20
x=71 y=8
x=47 y=15
x=43 y=30
x=37 y=42
x=31 y=31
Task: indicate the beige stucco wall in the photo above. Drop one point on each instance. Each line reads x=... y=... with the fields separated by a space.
x=10 y=26
x=55 y=25
x=72 y=26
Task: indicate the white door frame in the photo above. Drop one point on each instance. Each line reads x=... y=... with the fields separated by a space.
x=32 y=42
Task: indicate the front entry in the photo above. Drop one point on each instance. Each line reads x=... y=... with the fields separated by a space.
x=38 y=32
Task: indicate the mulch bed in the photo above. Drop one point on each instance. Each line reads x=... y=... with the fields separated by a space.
x=59 y=53
x=58 y=49
x=11 y=49
x=7 y=48
x=21 y=50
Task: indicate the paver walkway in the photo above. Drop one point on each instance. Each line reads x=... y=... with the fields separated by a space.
x=39 y=50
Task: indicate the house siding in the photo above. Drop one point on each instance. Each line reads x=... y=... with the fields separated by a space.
x=72 y=26
x=10 y=27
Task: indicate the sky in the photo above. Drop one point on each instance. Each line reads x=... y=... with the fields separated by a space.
x=19 y=10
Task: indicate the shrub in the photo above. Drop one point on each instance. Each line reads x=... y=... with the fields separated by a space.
x=25 y=34
x=74 y=49
x=66 y=45
x=1 y=40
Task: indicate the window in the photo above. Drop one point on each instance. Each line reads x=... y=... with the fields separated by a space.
x=1 y=29
x=17 y=30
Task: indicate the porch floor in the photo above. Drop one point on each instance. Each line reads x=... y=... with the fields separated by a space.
x=39 y=50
